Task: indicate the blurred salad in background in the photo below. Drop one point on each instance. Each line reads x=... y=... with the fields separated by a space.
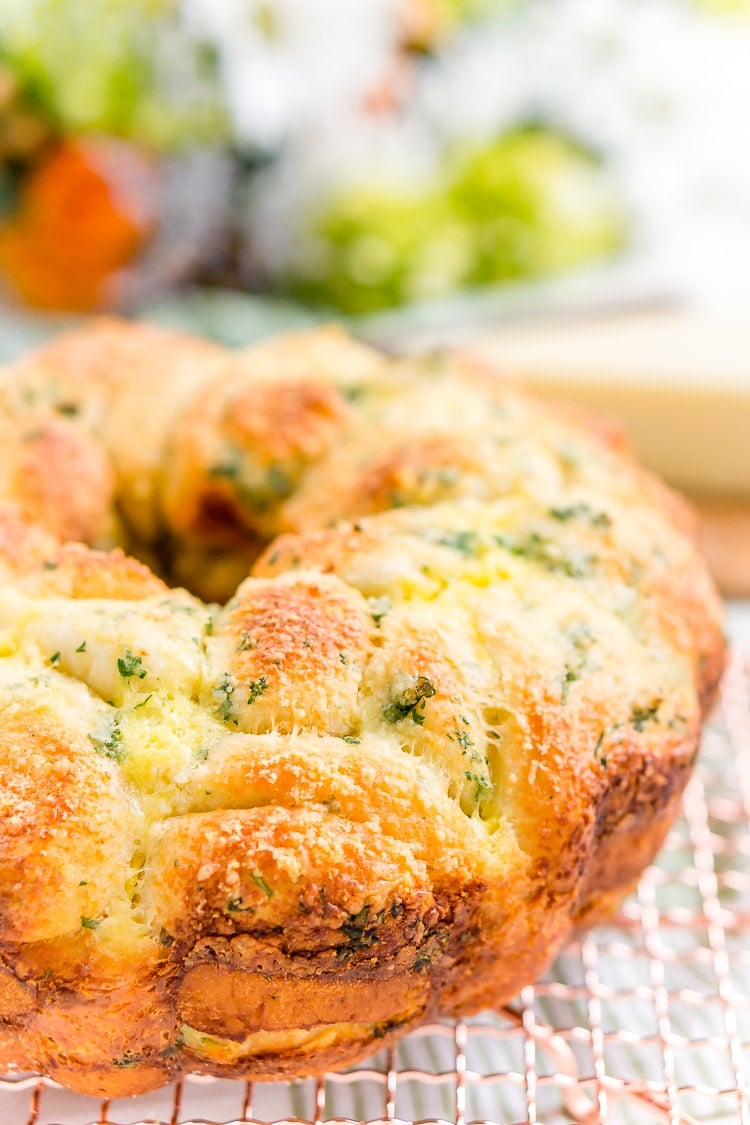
x=357 y=156
x=528 y=205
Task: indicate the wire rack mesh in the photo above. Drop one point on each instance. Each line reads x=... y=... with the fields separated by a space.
x=646 y=1020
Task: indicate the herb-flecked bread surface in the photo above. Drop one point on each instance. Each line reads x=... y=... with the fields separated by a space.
x=446 y=719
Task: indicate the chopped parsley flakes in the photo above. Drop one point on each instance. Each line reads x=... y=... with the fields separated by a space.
x=107 y=740
x=257 y=687
x=482 y=784
x=570 y=676
x=257 y=878
x=639 y=716
x=463 y=739
x=131 y=665
x=583 y=512
x=127 y=1061
x=467 y=542
x=379 y=607
x=581 y=639
x=549 y=554
x=411 y=702
x=223 y=692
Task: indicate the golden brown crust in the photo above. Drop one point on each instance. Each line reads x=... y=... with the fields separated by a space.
x=123 y=385
x=60 y=476
x=59 y=854
x=447 y=720
x=278 y=634
x=24 y=544
x=285 y=425
x=72 y=570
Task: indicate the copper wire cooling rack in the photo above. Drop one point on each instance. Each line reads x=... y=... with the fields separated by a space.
x=646 y=1020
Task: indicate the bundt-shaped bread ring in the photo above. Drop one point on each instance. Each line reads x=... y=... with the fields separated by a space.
x=446 y=720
